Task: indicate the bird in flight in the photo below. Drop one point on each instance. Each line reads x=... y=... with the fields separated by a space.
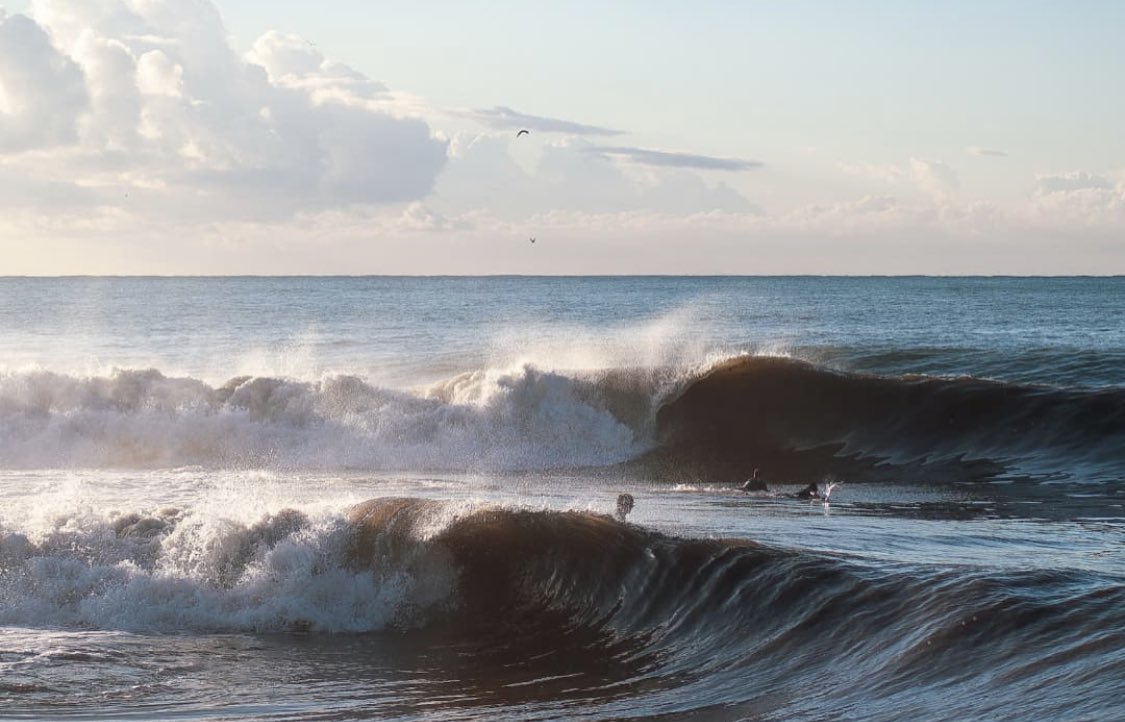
x=532 y=239
x=522 y=132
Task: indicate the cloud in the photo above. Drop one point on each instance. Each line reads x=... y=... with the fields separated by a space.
x=149 y=99
x=569 y=176
x=1073 y=181
x=42 y=91
x=885 y=172
x=157 y=75
x=874 y=234
x=668 y=159
x=1078 y=200
x=293 y=62
x=286 y=55
x=985 y=152
x=502 y=117
x=934 y=177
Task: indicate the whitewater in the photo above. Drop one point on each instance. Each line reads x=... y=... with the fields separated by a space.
x=391 y=498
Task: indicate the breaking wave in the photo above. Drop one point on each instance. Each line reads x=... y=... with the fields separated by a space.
x=795 y=420
x=789 y=418
x=700 y=616
x=521 y=418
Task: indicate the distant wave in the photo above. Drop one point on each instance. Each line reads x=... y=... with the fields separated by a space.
x=793 y=420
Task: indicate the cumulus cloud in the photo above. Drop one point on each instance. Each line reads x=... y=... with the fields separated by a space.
x=664 y=158
x=42 y=91
x=149 y=98
x=1078 y=199
x=934 y=177
x=503 y=117
x=157 y=75
x=1073 y=181
x=285 y=55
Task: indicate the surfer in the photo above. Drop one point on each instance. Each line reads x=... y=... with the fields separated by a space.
x=754 y=483
x=624 y=506
x=812 y=491
x=809 y=492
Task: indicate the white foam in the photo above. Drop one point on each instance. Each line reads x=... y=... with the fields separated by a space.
x=173 y=572
x=519 y=418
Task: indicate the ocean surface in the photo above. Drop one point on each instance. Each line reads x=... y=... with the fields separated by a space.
x=393 y=498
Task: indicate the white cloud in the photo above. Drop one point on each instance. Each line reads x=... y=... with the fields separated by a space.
x=157 y=75
x=41 y=91
x=285 y=55
x=570 y=175
x=1078 y=199
x=671 y=159
x=130 y=89
x=934 y=177
x=1073 y=181
x=884 y=172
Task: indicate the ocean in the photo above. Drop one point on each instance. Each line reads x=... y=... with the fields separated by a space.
x=393 y=498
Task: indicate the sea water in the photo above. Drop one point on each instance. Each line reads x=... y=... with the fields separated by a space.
x=391 y=498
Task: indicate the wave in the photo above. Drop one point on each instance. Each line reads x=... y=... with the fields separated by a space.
x=793 y=420
x=514 y=419
x=577 y=589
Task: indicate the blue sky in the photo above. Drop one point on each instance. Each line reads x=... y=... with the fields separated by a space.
x=753 y=137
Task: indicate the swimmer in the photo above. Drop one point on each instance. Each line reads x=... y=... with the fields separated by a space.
x=624 y=506
x=754 y=483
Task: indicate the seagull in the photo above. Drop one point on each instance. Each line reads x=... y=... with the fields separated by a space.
x=522 y=132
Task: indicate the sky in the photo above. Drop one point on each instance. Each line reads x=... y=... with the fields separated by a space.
x=177 y=137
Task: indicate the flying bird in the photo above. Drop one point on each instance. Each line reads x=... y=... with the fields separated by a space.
x=532 y=239
x=522 y=132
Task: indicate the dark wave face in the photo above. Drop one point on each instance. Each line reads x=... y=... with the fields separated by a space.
x=613 y=615
x=794 y=421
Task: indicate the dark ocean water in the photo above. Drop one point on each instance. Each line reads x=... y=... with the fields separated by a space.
x=391 y=498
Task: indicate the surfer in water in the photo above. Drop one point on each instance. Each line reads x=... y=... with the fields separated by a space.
x=812 y=491
x=809 y=492
x=754 y=483
x=624 y=506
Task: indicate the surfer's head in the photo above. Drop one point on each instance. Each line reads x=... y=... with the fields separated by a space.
x=624 y=506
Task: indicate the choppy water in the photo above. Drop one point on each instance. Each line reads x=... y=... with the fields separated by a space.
x=389 y=498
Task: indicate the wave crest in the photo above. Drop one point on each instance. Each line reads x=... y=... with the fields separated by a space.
x=794 y=420
x=512 y=420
